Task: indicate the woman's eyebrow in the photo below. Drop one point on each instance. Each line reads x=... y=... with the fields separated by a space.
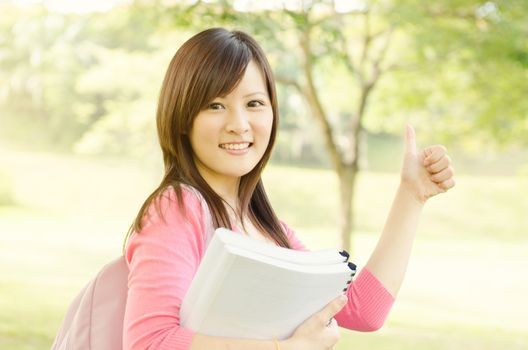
x=255 y=93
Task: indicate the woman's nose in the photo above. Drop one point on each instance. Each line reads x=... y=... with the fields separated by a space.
x=237 y=122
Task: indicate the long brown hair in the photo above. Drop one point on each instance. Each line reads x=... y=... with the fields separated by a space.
x=208 y=65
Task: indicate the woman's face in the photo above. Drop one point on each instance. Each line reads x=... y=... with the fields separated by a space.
x=230 y=136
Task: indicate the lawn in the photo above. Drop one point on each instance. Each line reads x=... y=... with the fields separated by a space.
x=465 y=289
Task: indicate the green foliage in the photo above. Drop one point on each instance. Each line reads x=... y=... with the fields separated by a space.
x=62 y=74
x=473 y=90
x=453 y=68
x=123 y=120
x=456 y=69
x=40 y=55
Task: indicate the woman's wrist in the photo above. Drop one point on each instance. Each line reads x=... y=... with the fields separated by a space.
x=288 y=344
x=406 y=191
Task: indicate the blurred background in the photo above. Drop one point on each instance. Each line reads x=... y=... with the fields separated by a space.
x=79 y=82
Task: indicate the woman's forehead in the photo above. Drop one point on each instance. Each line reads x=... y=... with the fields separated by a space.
x=252 y=82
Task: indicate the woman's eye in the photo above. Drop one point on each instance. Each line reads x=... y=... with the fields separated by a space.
x=255 y=103
x=215 y=106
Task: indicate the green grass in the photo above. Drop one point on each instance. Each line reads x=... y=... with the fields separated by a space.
x=6 y=194
x=465 y=287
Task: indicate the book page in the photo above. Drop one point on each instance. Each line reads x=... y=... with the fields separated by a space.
x=262 y=301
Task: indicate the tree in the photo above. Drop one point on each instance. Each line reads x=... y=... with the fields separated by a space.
x=455 y=68
x=68 y=79
x=453 y=42
x=38 y=66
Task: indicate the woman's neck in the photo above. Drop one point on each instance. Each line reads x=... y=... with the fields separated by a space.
x=230 y=195
x=224 y=186
x=227 y=190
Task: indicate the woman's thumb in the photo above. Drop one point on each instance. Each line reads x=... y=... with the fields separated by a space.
x=410 y=140
x=334 y=307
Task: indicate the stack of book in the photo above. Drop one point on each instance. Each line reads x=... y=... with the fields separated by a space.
x=245 y=288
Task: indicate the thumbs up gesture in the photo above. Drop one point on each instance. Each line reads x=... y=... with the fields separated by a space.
x=428 y=172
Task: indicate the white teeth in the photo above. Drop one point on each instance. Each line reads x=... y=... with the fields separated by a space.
x=235 y=145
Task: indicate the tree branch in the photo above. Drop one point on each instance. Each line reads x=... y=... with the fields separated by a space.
x=334 y=15
x=376 y=71
x=315 y=103
x=450 y=13
x=366 y=42
x=281 y=79
x=345 y=54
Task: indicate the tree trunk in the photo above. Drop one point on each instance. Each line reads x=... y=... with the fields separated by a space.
x=347 y=181
x=346 y=166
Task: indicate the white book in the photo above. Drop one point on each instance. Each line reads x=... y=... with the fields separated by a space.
x=245 y=288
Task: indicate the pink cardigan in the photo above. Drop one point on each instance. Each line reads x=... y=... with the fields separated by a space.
x=164 y=257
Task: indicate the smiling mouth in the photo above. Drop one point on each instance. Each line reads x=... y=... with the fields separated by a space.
x=236 y=146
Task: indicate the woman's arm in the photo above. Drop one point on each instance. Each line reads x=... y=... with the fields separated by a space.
x=424 y=175
x=389 y=260
x=162 y=260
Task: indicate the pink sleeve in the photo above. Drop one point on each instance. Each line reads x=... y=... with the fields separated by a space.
x=163 y=259
x=369 y=303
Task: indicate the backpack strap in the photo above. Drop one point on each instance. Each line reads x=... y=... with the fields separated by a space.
x=206 y=214
x=209 y=227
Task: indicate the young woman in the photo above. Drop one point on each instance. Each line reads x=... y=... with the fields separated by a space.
x=217 y=122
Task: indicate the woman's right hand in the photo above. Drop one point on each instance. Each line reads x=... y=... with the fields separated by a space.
x=316 y=333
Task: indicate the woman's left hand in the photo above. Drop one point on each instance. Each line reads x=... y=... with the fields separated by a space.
x=427 y=172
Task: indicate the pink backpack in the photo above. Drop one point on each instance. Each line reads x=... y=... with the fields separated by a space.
x=94 y=319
